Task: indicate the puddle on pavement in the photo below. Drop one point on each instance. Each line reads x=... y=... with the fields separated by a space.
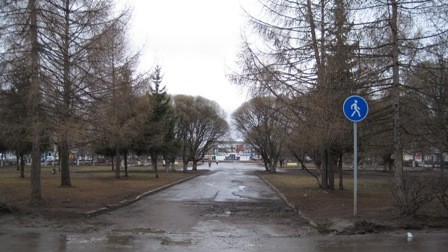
x=239 y=196
x=139 y=231
x=168 y=242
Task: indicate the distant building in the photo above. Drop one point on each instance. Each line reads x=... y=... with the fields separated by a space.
x=232 y=150
x=430 y=157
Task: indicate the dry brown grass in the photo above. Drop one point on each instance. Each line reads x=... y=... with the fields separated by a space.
x=92 y=187
x=375 y=203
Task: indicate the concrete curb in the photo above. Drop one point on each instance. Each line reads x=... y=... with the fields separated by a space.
x=124 y=203
x=282 y=196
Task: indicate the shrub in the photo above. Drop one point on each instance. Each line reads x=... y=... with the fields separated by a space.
x=443 y=194
x=412 y=191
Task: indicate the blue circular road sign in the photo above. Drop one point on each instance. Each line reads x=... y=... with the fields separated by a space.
x=355 y=108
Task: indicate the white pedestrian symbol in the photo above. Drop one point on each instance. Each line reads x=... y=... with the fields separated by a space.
x=355 y=108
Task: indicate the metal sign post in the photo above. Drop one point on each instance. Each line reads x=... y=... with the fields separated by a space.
x=355 y=109
x=355 y=168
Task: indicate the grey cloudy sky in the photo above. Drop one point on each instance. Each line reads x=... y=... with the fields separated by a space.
x=194 y=41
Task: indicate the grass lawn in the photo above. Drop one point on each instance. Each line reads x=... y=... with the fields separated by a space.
x=375 y=202
x=92 y=187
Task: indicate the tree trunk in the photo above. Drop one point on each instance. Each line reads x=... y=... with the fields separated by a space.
x=34 y=100
x=59 y=162
x=117 y=162
x=331 y=170
x=390 y=165
x=22 y=166
x=154 y=164
x=195 y=165
x=185 y=166
x=36 y=194
x=442 y=163
x=125 y=157
x=167 y=165
x=156 y=171
x=266 y=166
x=398 y=152
x=65 y=150
x=112 y=162
x=173 y=163
x=17 y=161
x=64 y=156
x=341 y=173
x=317 y=160
x=274 y=166
x=324 y=172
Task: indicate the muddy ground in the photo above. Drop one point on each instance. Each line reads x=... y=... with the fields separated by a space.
x=327 y=211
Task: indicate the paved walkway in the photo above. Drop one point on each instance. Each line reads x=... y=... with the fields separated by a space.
x=229 y=207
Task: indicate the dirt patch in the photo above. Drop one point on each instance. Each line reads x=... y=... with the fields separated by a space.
x=365 y=227
x=332 y=211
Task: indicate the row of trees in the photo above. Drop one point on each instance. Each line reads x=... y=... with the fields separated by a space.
x=69 y=78
x=306 y=57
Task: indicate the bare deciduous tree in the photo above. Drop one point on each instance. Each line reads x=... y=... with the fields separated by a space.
x=306 y=60
x=71 y=31
x=114 y=110
x=318 y=52
x=20 y=36
x=56 y=38
x=259 y=121
x=200 y=123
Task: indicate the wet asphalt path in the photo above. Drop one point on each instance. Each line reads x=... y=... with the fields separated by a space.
x=229 y=208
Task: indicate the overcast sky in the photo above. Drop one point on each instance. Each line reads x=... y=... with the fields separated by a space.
x=195 y=42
